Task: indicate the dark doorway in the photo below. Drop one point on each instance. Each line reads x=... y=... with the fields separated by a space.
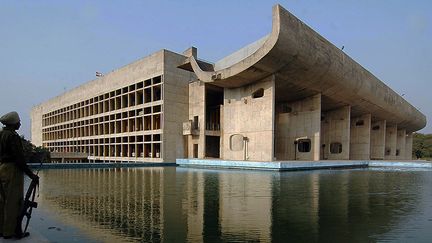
x=212 y=146
x=195 y=150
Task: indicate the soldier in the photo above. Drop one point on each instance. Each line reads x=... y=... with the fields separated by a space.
x=12 y=169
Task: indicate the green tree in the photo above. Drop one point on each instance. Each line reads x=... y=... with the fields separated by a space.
x=422 y=145
x=35 y=154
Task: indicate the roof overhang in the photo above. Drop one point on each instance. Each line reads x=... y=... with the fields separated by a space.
x=299 y=57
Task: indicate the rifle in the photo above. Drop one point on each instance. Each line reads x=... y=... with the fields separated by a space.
x=28 y=205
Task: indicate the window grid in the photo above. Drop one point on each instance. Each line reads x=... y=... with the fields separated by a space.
x=126 y=122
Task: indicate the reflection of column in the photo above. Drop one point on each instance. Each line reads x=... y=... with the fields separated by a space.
x=174 y=221
x=359 y=207
x=295 y=207
x=194 y=203
x=245 y=206
x=333 y=210
x=212 y=231
x=314 y=194
x=129 y=201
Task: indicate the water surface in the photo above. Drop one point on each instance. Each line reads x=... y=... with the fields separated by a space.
x=169 y=204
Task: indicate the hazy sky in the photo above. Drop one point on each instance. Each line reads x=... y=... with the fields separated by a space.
x=47 y=47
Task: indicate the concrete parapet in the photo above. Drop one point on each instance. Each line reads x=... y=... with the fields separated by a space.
x=279 y=165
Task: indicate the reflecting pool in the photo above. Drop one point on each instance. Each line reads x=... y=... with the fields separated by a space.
x=169 y=204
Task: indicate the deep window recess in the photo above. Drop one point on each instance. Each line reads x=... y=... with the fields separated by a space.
x=397 y=152
x=195 y=150
x=258 y=94
x=195 y=122
x=377 y=127
x=388 y=151
x=285 y=108
x=304 y=145
x=335 y=148
x=359 y=123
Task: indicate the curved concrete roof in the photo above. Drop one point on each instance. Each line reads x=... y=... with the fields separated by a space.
x=304 y=63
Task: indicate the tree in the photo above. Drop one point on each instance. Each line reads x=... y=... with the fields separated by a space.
x=35 y=154
x=422 y=145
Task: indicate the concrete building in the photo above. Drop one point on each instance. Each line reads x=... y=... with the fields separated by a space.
x=291 y=95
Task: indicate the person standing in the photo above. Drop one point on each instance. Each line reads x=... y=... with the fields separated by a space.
x=12 y=169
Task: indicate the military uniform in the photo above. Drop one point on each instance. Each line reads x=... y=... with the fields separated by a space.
x=12 y=169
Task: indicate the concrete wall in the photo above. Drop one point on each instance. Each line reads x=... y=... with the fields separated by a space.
x=408 y=146
x=36 y=125
x=303 y=121
x=142 y=69
x=335 y=128
x=197 y=108
x=176 y=103
x=378 y=137
x=390 y=142
x=251 y=118
x=400 y=144
x=360 y=137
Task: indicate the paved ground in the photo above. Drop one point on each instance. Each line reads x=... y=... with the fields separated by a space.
x=34 y=237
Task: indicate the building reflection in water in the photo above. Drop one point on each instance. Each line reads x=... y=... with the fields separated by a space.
x=178 y=204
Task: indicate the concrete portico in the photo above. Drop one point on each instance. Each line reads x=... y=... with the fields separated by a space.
x=326 y=106
x=289 y=96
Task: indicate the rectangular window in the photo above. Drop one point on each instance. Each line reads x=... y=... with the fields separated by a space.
x=304 y=145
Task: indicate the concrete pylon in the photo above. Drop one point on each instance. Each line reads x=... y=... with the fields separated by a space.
x=378 y=138
x=390 y=142
x=335 y=134
x=400 y=144
x=360 y=137
x=408 y=146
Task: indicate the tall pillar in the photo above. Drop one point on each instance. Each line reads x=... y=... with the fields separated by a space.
x=408 y=146
x=248 y=120
x=400 y=144
x=390 y=142
x=196 y=141
x=378 y=135
x=360 y=137
x=335 y=134
x=298 y=121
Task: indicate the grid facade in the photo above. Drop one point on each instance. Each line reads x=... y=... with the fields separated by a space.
x=122 y=124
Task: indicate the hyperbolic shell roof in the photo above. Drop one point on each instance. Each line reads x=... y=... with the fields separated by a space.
x=304 y=63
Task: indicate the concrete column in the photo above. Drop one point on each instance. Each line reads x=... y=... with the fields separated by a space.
x=248 y=122
x=400 y=144
x=378 y=135
x=299 y=120
x=197 y=108
x=390 y=142
x=335 y=132
x=360 y=137
x=408 y=146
